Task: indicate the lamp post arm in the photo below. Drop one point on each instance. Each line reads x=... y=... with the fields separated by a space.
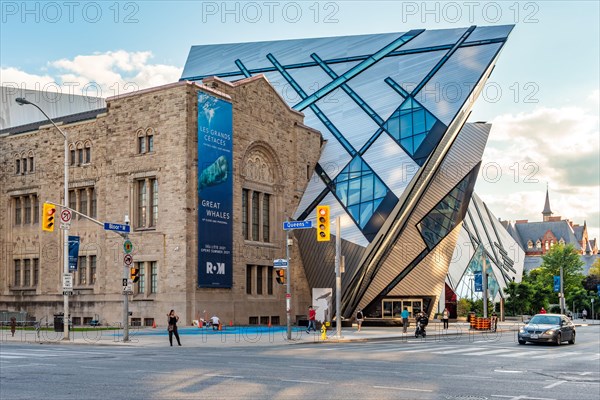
x=49 y=119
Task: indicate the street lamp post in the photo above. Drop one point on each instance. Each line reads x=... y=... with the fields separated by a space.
x=21 y=101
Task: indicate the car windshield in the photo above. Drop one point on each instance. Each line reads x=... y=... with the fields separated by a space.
x=545 y=320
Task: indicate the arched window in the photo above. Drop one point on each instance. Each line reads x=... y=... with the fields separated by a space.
x=88 y=152
x=530 y=244
x=538 y=244
x=561 y=241
x=145 y=140
x=72 y=158
x=30 y=157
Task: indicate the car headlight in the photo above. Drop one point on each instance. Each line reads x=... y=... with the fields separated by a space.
x=521 y=330
x=550 y=331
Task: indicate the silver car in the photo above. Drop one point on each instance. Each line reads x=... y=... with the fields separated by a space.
x=549 y=328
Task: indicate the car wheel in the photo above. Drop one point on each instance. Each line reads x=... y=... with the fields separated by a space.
x=558 y=339
x=572 y=341
x=522 y=341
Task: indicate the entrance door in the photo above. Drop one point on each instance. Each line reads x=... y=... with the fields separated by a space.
x=392 y=308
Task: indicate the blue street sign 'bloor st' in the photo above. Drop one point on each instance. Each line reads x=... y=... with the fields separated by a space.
x=108 y=226
x=557 y=283
x=288 y=225
x=280 y=262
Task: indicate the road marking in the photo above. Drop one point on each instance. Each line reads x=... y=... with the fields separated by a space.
x=554 y=384
x=523 y=353
x=224 y=376
x=556 y=355
x=88 y=367
x=4 y=356
x=508 y=371
x=305 y=367
x=458 y=350
x=470 y=376
x=484 y=353
x=402 y=388
x=523 y=397
x=301 y=381
x=425 y=349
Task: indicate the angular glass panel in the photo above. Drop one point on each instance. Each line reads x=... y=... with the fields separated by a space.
x=408 y=145
x=380 y=190
x=366 y=210
x=354 y=192
x=393 y=127
x=341 y=189
x=418 y=139
x=355 y=212
x=406 y=128
x=419 y=121
x=367 y=188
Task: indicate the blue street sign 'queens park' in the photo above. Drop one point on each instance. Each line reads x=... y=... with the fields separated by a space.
x=108 y=226
x=288 y=225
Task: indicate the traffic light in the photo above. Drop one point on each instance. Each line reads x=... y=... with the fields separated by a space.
x=323 y=223
x=48 y=219
x=135 y=274
x=280 y=275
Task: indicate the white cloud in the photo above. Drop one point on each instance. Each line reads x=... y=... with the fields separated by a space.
x=558 y=146
x=100 y=74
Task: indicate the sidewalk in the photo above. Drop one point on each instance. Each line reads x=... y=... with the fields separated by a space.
x=260 y=336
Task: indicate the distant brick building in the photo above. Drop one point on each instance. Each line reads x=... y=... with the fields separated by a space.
x=536 y=238
x=139 y=157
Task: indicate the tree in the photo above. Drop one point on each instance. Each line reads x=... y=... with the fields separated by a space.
x=564 y=256
x=519 y=297
x=595 y=268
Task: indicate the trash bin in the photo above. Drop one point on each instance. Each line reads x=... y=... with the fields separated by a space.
x=59 y=322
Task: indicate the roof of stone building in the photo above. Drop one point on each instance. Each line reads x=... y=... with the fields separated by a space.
x=536 y=262
x=536 y=230
x=578 y=231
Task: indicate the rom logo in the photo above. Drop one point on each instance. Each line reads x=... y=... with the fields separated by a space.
x=217 y=268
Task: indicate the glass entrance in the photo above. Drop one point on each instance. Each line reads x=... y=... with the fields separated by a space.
x=392 y=308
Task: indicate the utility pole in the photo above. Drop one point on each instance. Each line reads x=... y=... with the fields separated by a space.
x=125 y=289
x=484 y=282
x=288 y=288
x=562 y=293
x=338 y=278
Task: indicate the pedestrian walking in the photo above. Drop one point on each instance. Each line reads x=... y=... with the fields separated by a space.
x=543 y=311
x=312 y=315
x=584 y=314
x=13 y=325
x=494 y=322
x=404 y=315
x=172 y=328
x=445 y=317
x=359 y=318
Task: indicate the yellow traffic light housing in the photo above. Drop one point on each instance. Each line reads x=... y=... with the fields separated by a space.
x=280 y=275
x=134 y=274
x=323 y=224
x=48 y=217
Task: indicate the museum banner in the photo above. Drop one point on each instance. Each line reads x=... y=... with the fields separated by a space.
x=215 y=192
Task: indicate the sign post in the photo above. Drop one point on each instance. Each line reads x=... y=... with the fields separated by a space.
x=287 y=227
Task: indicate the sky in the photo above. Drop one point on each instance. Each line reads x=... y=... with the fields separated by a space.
x=542 y=97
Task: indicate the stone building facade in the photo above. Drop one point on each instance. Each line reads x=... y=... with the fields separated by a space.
x=138 y=157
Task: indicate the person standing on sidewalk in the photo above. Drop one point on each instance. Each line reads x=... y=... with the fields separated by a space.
x=404 y=315
x=445 y=316
x=360 y=317
x=173 y=318
x=13 y=325
x=312 y=315
x=584 y=314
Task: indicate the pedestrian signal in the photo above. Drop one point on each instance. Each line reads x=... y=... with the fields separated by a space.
x=135 y=274
x=48 y=217
x=323 y=223
x=280 y=275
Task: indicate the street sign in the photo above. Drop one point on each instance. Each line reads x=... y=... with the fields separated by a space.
x=280 y=263
x=128 y=259
x=67 y=282
x=65 y=215
x=289 y=225
x=127 y=246
x=127 y=286
x=288 y=296
x=109 y=226
x=65 y=225
x=67 y=293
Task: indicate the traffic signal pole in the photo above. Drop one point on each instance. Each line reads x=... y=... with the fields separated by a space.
x=338 y=278
x=288 y=290
x=125 y=299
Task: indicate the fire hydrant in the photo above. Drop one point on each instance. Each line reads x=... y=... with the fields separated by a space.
x=323 y=332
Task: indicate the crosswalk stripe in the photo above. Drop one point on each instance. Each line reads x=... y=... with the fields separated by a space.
x=557 y=355
x=458 y=350
x=425 y=349
x=518 y=354
x=488 y=352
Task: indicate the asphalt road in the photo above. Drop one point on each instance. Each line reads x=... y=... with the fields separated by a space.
x=449 y=368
